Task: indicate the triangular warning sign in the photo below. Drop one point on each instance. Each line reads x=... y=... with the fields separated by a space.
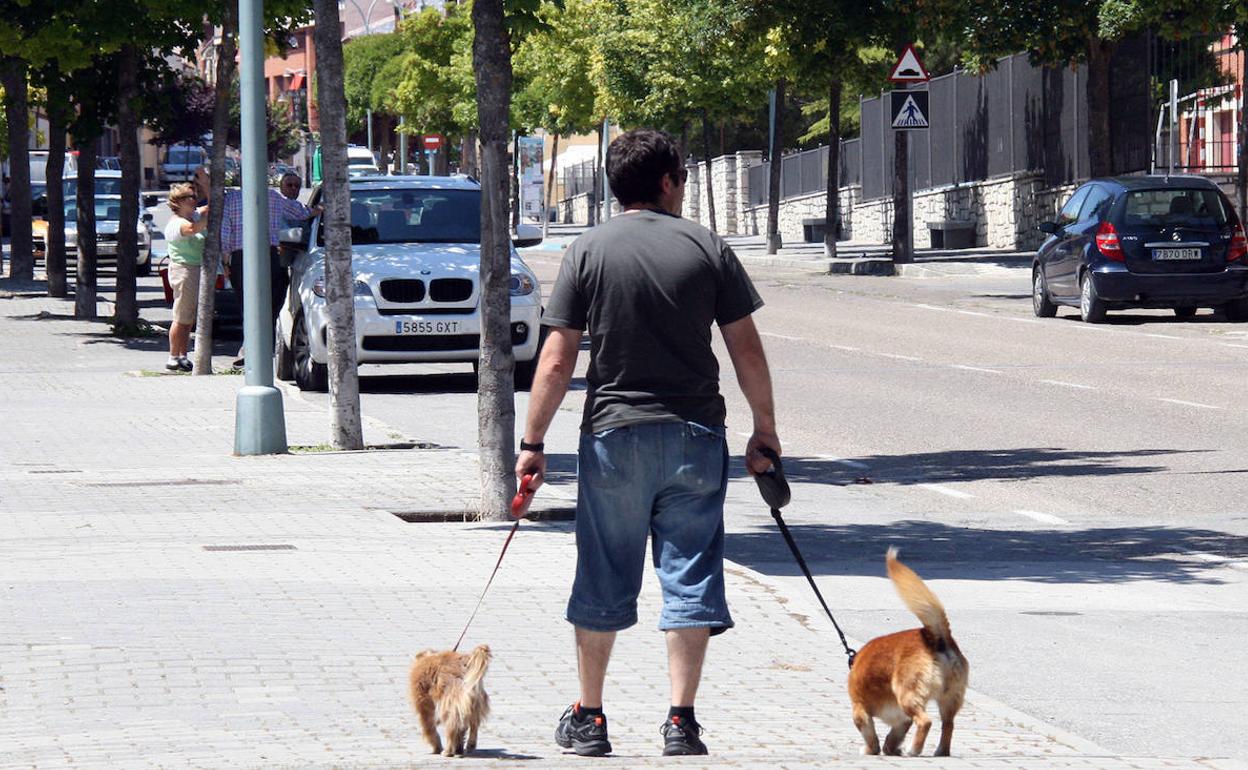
x=909 y=114
x=908 y=68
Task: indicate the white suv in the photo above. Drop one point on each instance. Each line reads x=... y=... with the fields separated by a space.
x=416 y=254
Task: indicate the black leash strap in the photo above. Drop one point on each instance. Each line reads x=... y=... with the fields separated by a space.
x=775 y=491
x=497 y=564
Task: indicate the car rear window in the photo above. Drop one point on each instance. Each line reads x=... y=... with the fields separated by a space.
x=1165 y=208
x=414 y=216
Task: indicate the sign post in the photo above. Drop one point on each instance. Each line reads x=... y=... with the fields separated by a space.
x=909 y=113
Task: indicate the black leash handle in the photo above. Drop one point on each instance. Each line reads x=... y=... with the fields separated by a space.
x=775 y=491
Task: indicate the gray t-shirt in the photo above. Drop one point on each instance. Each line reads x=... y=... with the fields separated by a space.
x=647 y=286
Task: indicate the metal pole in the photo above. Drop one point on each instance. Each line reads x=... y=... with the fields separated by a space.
x=771 y=123
x=1174 y=122
x=402 y=145
x=260 y=425
x=369 y=118
x=606 y=185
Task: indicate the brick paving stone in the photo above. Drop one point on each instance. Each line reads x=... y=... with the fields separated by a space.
x=126 y=644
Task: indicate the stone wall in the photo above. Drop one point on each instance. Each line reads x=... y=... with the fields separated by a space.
x=793 y=210
x=724 y=188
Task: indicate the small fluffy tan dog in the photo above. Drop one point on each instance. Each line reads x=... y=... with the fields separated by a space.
x=449 y=687
x=894 y=676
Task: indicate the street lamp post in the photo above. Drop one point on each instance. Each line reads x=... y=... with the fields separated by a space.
x=259 y=423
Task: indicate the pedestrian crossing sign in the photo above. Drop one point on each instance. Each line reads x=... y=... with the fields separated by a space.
x=909 y=110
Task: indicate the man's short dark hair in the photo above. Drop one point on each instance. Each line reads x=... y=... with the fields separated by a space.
x=637 y=161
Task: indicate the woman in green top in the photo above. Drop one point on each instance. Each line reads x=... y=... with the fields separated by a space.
x=185 y=236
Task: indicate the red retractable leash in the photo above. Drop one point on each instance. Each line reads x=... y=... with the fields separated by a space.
x=519 y=509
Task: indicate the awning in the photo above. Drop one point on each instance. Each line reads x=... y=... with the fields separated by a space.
x=296 y=82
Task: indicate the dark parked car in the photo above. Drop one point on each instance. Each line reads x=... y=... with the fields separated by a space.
x=1143 y=242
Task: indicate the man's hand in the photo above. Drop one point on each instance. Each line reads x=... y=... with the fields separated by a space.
x=531 y=463
x=754 y=459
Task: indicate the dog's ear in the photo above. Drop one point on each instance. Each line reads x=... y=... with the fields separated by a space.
x=423 y=653
x=484 y=649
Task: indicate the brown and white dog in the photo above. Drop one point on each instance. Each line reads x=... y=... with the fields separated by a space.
x=449 y=688
x=894 y=676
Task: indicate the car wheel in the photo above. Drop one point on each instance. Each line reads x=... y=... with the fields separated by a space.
x=1184 y=312
x=283 y=357
x=309 y=375
x=1091 y=307
x=1041 y=305
x=1236 y=310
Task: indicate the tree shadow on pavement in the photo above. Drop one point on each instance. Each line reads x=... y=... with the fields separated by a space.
x=970 y=465
x=937 y=550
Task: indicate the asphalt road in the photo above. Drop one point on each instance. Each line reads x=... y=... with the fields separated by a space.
x=1074 y=492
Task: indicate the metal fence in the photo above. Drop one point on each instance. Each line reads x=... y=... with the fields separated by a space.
x=806 y=172
x=1015 y=118
x=578 y=178
x=1209 y=74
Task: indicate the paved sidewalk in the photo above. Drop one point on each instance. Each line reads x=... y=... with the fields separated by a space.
x=167 y=605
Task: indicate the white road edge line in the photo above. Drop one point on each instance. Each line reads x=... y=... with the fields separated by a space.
x=1181 y=402
x=1163 y=336
x=842 y=461
x=1232 y=345
x=1065 y=384
x=782 y=336
x=1044 y=518
x=899 y=356
x=944 y=490
x=976 y=369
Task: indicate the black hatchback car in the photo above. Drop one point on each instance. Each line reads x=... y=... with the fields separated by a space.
x=1143 y=242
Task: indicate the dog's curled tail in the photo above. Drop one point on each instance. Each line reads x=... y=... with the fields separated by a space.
x=919 y=598
x=478 y=662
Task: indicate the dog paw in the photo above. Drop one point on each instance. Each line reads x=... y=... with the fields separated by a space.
x=867 y=751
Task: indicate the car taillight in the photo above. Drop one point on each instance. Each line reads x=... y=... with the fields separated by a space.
x=1107 y=242
x=1239 y=245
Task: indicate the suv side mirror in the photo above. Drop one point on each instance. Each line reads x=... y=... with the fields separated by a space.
x=291 y=236
x=1048 y=227
x=526 y=235
x=147 y=217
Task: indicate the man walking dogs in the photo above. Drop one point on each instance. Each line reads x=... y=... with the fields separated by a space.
x=653 y=458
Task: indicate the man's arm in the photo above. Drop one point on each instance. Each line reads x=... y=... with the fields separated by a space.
x=550 y=385
x=750 y=362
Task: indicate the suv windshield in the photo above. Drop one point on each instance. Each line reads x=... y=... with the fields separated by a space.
x=414 y=216
x=106 y=209
x=185 y=157
x=103 y=186
x=1169 y=208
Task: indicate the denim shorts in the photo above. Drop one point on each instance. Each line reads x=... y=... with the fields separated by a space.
x=667 y=481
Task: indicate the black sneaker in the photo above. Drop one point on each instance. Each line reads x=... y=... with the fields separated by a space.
x=681 y=738
x=185 y=364
x=587 y=738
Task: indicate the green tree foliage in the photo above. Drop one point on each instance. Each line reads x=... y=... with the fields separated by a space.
x=436 y=92
x=553 y=65
x=365 y=59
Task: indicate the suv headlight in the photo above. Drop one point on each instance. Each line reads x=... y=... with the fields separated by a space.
x=359 y=289
x=521 y=285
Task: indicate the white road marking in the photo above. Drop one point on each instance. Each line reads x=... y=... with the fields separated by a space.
x=1163 y=336
x=1181 y=402
x=1213 y=558
x=932 y=307
x=949 y=491
x=1068 y=384
x=899 y=356
x=974 y=313
x=842 y=461
x=1232 y=345
x=977 y=369
x=782 y=336
x=849 y=348
x=1044 y=518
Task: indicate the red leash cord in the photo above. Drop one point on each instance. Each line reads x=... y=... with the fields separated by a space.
x=519 y=509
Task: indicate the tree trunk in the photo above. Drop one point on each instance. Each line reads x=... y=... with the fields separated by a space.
x=496 y=415
x=710 y=183
x=54 y=244
x=774 y=241
x=832 y=213
x=903 y=245
x=21 y=252
x=1100 y=139
x=684 y=141
x=85 y=298
x=550 y=186
x=442 y=159
x=206 y=309
x=600 y=170
x=471 y=166
x=126 y=313
x=346 y=425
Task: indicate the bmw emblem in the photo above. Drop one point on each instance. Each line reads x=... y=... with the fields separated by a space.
x=1175 y=236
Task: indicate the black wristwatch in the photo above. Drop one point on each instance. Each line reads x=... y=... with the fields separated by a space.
x=527 y=447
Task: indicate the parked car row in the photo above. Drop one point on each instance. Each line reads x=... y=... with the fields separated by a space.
x=107 y=224
x=1143 y=242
